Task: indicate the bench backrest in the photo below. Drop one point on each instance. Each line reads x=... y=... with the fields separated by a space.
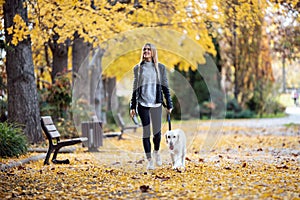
x=49 y=128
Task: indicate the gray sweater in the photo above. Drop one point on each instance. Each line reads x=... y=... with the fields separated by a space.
x=148 y=80
x=162 y=87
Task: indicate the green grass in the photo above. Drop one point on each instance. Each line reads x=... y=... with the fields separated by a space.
x=292 y=125
x=278 y=115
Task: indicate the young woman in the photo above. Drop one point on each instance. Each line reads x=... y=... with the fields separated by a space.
x=150 y=84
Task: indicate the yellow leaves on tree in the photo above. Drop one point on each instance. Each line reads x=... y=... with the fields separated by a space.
x=19 y=30
x=63 y=18
x=199 y=20
x=103 y=22
x=1 y=4
x=173 y=48
x=292 y=5
x=183 y=16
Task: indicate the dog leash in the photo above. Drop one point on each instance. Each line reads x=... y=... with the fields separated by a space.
x=169 y=120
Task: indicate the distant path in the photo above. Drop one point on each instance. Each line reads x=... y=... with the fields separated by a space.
x=264 y=122
x=293 y=116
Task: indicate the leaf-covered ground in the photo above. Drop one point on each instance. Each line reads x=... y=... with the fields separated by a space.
x=245 y=163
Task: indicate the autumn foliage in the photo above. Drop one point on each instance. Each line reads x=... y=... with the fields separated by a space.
x=245 y=163
x=237 y=26
x=241 y=163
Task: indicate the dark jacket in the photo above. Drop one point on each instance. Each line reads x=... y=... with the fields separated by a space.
x=162 y=89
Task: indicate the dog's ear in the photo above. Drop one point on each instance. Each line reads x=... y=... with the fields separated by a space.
x=166 y=135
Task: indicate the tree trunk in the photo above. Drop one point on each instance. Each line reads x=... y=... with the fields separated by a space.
x=110 y=90
x=87 y=90
x=236 y=75
x=60 y=58
x=96 y=85
x=80 y=51
x=21 y=87
x=283 y=74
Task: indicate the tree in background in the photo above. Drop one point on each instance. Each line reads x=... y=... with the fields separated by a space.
x=283 y=30
x=188 y=18
x=72 y=30
x=245 y=59
x=59 y=25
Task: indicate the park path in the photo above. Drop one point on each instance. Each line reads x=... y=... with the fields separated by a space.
x=112 y=149
x=263 y=123
x=293 y=117
x=217 y=136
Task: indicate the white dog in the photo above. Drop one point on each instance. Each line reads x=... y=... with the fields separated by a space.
x=176 y=142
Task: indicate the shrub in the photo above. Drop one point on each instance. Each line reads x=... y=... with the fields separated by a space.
x=230 y=114
x=238 y=115
x=274 y=107
x=3 y=110
x=206 y=109
x=56 y=98
x=245 y=114
x=66 y=128
x=12 y=141
x=233 y=105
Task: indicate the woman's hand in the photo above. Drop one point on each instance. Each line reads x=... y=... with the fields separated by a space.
x=169 y=110
x=132 y=113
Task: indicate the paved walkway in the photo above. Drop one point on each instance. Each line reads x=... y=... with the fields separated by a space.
x=263 y=123
x=293 y=117
x=295 y=110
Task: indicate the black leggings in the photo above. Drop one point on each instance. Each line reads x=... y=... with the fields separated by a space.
x=154 y=115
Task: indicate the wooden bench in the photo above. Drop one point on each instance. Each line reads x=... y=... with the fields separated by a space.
x=123 y=127
x=54 y=140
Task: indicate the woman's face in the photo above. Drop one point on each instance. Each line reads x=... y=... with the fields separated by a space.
x=147 y=53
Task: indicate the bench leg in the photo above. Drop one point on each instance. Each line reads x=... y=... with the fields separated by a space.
x=46 y=162
x=66 y=161
x=120 y=136
x=59 y=161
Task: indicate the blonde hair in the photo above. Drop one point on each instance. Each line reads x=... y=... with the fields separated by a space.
x=154 y=58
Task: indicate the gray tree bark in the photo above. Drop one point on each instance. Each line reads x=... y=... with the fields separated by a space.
x=96 y=84
x=283 y=74
x=60 y=57
x=80 y=50
x=112 y=100
x=21 y=86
